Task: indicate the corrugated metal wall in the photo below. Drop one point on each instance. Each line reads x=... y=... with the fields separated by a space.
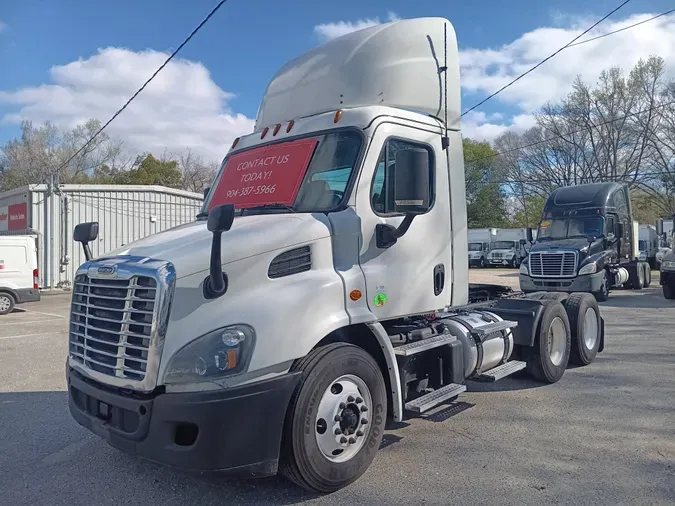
x=125 y=214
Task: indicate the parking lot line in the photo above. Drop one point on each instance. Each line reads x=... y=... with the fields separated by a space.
x=39 y=334
x=31 y=321
x=48 y=314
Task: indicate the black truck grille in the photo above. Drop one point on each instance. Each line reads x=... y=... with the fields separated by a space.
x=553 y=265
x=111 y=324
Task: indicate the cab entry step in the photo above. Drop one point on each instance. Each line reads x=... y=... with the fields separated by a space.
x=502 y=371
x=423 y=345
x=433 y=399
x=490 y=328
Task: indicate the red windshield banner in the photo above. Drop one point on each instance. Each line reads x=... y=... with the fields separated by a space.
x=267 y=175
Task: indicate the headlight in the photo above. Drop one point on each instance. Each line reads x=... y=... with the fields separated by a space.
x=222 y=352
x=588 y=269
x=524 y=269
x=668 y=264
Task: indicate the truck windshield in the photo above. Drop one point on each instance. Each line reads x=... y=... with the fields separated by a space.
x=304 y=175
x=565 y=228
x=475 y=246
x=503 y=245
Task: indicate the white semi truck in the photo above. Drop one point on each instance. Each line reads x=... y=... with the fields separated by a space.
x=509 y=247
x=480 y=244
x=323 y=289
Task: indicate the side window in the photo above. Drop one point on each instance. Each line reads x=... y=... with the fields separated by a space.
x=382 y=187
x=610 y=226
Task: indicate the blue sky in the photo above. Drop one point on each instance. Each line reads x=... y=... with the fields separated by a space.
x=247 y=40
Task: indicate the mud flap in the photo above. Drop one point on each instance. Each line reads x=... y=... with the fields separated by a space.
x=602 y=335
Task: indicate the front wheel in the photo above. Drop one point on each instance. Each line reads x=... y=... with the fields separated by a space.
x=335 y=420
x=669 y=290
x=482 y=262
x=514 y=262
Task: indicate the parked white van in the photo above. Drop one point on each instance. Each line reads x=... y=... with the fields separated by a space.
x=18 y=271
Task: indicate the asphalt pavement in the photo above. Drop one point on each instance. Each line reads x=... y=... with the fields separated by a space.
x=604 y=434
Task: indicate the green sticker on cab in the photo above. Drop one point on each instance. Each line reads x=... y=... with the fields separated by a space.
x=380 y=300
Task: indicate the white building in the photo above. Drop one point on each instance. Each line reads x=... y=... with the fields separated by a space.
x=125 y=213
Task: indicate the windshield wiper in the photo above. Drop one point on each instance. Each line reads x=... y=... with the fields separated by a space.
x=270 y=206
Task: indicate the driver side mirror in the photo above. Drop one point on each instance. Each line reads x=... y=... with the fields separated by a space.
x=206 y=192
x=523 y=242
x=619 y=230
x=529 y=234
x=412 y=188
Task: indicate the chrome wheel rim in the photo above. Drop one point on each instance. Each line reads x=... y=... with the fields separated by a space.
x=556 y=341
x=342 y=421
x=5 y=303
x=590 y=328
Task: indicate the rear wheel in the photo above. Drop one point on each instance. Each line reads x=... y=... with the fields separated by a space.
x=514 y=262
x=482 y=262
x=547 y=359
x=585 y=326
x=6 y=303
x=335 y=420
x=648 y=274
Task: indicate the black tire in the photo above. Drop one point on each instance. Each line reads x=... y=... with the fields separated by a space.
x=639 y=281
x=577 y=305
x=7 y=302
x=603 y=294
x=482 y=263
x=669 y=291
x=514 y=262
x=301 y=459
x=559 y=296
x=539 y=363
x=648 y=274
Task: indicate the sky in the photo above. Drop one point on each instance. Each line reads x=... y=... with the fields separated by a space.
x=66 y=61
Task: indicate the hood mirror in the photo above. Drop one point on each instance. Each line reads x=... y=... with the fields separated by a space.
x=220 y=220
x=85 y=233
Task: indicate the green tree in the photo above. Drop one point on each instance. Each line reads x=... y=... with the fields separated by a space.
x=148 y=170
x=530 y=213
x=485 y=199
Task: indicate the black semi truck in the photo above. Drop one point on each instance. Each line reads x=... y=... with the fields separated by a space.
x=586 y=242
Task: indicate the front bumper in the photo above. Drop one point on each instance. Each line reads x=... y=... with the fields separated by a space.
x=237 y=429
x=587 y=283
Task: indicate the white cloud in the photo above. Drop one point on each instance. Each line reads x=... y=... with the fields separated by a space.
x=328 y=31
x=486 y=70
x=482 y=127
x=181 y=108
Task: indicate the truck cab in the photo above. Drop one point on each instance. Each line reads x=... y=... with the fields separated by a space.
x=586 y=242
x=322 y=290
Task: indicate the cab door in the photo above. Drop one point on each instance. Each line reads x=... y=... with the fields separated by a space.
x=414 y=275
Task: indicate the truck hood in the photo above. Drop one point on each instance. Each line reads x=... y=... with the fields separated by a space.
x=188 y=246
x=579 y=244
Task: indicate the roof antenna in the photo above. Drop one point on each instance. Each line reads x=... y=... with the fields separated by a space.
x=445 y=141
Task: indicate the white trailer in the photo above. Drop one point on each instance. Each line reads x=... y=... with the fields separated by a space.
x=509 y=247
x=648 y=244
x=480 y=244
x=319 y=292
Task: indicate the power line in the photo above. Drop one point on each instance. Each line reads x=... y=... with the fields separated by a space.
x=189 y=37
x=622 y=29
x=562 y=136
x=545 y=59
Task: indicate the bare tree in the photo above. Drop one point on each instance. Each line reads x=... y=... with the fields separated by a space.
x=197 y=174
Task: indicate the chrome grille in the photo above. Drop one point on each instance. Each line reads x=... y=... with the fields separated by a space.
x=111 y=324
x=557 y=264
x=496 y=255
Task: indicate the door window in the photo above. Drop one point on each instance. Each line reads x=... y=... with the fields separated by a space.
x=382 y=187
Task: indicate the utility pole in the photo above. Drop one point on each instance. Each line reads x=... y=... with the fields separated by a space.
x=47 y=236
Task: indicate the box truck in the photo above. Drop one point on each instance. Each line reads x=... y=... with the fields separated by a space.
x=648 y=244
x=480 y=244
x=18 y=271
x=509 y=247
